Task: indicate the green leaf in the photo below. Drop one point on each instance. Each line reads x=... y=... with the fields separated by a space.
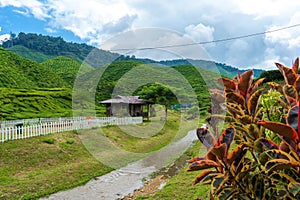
x=294 y=188
x=227 y=193
x=278 y=164
x=281 y=154
x=290 y=91
x=217 y=182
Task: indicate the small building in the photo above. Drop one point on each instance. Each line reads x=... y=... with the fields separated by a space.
x=127 y=106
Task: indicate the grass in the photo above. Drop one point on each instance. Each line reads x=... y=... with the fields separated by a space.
x=180 y=186
x=39 y=166
x=32 y=168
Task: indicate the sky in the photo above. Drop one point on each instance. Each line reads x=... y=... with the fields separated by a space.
x=157 y=23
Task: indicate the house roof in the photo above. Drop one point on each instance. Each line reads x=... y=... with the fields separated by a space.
x=126 y=100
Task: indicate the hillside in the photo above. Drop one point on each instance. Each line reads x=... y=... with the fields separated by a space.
x=30 y=54
x=19 y=72
x=66 y=68
x=27 y=103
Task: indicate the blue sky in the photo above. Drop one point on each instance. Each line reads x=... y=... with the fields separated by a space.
x=98 y=21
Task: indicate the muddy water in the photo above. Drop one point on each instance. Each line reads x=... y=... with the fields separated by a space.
x=125 y=180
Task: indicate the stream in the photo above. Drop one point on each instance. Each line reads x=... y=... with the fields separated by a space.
x=125 y=180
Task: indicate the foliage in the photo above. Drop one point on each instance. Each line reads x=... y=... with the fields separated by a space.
x=56 y=46
x=18 y=72
x=48 y=140
x=23 y=103
x=159 y=94
x=256 y=167
x=66 y=68
x=271 y=75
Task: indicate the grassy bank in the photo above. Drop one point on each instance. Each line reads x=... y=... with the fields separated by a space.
x=39 y=166
x=42 y=165
x=180 y=186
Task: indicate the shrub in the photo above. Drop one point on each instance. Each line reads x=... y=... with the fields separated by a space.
x=48 y=140
x=257 y=167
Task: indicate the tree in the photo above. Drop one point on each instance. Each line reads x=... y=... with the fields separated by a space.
x=159 y=94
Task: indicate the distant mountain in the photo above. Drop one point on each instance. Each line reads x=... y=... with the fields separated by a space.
x=223 y=69
x=41 y=48
x=57 y=46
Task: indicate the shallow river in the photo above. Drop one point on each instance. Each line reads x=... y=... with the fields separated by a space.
x=125 y=180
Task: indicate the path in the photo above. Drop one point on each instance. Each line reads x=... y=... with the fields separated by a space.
x=125 y=180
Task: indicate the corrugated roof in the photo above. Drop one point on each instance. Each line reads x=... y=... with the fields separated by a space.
x=126 y=100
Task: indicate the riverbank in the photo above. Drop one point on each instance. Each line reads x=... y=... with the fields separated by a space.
x=39 y=166
x=125 y=180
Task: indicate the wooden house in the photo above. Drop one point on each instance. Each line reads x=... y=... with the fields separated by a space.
x=131 y=106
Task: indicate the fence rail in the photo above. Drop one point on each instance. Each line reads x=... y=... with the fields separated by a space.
x=20 y=129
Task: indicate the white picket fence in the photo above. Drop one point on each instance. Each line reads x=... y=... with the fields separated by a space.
x=36 y=128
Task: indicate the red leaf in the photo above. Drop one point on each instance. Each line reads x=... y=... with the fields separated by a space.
x=236 y=154
x=253 y=102
x=229 y=85
x=296 y=65
x=289 y=75
x=281 y=129
x=220 y=151
x=297 y=85
x=202 y=164
x=284 y=147
x=254 y=87
x=234 y=97
x=205 y=137
x=245 y=82
x=203 y=175
x=227 y=137
x=196 y=159
x=267 y=143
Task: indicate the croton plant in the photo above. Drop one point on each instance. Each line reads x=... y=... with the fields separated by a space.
x=241 y=162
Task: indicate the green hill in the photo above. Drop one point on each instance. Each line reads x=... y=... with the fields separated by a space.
x=27 y=103
x=19 y=72
x=66 y=68
x=30 y=54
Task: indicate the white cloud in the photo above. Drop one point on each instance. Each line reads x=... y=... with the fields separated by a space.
x=200 y=32
x=34 y=7
x=4 y=38
x=96 y=21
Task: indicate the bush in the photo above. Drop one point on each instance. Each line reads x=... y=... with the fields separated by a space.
x=48 y=140
x=257 y=167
